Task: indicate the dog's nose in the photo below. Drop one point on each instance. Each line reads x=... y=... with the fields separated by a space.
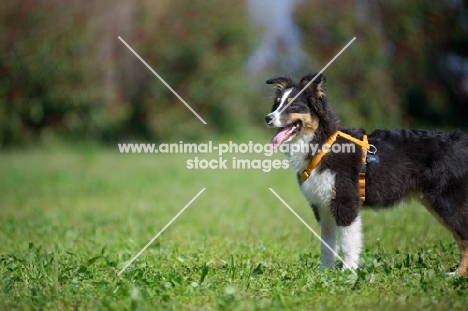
x=269 y=117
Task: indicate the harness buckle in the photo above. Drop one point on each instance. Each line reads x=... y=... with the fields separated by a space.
x=304 y=175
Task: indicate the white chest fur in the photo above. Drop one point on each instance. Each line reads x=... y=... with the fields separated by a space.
x=319 y=188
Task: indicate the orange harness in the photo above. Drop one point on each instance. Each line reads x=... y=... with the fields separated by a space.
x=364 y=144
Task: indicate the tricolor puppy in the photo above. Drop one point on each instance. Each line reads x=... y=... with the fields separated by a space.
x=384 y=167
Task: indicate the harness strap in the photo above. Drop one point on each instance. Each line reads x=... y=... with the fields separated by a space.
x=364 y=144
x=362 y=174
x=318 y=157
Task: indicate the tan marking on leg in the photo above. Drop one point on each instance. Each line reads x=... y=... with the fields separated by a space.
x=462 y=245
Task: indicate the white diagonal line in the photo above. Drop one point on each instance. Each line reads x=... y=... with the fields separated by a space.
x=159 y=233
x=310 y=82
x=311 y=230
x=167 y=85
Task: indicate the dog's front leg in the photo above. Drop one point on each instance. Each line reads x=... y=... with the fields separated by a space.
x=345 y=208
x=351 y=243
x=328 y=232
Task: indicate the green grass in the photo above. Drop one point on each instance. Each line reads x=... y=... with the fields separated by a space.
x=70 y=220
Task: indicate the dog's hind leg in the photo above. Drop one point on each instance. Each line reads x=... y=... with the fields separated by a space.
x=463 y=245
x=456 y=221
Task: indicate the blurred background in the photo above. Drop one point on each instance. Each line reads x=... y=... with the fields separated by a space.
x=73 y=209
x=65 y=76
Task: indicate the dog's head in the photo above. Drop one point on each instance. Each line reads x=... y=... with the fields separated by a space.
x=305 y=114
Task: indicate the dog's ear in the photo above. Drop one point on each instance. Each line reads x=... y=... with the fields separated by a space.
x=282 y=83
x=317 y=88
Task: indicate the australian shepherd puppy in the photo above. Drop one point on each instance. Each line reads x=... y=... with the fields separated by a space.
x=429 y=165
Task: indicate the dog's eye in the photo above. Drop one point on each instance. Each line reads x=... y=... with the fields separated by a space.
x=293 y=106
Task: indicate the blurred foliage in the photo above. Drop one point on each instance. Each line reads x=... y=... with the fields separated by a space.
x=396 y=72
x=199 y=48
x=64 y=73
x=45 y=69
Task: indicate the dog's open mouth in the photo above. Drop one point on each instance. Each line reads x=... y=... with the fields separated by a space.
x=286 y=133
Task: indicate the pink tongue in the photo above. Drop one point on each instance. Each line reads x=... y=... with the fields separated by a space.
x=280 y=136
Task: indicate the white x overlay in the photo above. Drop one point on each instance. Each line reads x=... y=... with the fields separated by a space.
x=160 y=232
x=311 y=81
x=311 y=230
x=159 y=77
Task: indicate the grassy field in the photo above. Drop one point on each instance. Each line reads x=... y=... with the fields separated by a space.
x=70 y=219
